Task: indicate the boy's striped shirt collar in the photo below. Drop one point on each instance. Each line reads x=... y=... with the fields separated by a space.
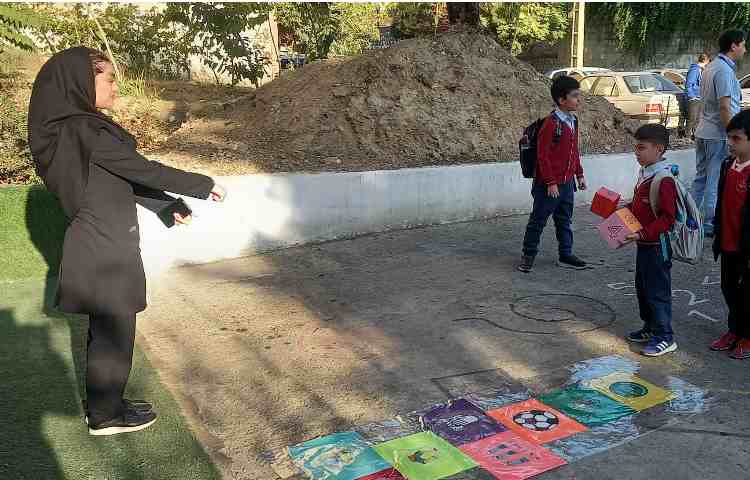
x=566 y=117
x=651 y=170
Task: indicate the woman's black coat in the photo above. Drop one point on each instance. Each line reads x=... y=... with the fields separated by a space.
x=91 y=164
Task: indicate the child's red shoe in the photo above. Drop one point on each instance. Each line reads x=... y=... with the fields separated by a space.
x=742 y=350
x=725 y=342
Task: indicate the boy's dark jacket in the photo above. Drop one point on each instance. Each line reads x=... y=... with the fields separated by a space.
x=744 y=247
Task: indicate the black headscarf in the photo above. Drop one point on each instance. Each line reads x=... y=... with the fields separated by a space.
x=64 y=124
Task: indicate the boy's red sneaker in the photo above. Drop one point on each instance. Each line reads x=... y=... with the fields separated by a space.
x=742 y=350
x=725 y=342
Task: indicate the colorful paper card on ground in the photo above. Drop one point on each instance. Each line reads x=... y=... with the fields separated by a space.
x=341 y=456
x=424 y=456
x=536 y=421
x=388 y=474
x=379 y=432
x=631 y=390
x=460 y=422
x=509 y=457
x=477 y=473
x=586 y=406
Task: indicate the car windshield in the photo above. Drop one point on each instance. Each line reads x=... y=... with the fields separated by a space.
x=646 y=83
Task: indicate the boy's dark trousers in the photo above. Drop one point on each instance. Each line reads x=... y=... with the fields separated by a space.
x=561 y=209
x=653 y=286
x=735 y=285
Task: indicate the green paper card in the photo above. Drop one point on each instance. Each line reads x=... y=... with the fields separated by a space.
x=424 y=456
x=586 y=406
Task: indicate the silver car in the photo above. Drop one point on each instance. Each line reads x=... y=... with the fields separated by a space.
x=644 y=96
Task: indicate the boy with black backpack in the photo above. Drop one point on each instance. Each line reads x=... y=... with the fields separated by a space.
x=556 y=171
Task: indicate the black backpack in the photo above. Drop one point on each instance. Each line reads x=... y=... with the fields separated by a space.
x=527 y=144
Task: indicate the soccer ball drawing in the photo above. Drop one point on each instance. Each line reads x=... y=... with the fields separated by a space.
x=537 y=420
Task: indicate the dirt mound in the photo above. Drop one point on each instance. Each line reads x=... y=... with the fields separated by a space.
x=455 y=98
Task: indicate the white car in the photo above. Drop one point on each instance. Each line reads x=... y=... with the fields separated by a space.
x=745 y=87
x=577 y=73
x=644 y=96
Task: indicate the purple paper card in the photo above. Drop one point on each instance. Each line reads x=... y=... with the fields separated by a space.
x=460 y=422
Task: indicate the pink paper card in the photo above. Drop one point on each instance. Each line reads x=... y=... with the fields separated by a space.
x=509 y=457
x=618 y=226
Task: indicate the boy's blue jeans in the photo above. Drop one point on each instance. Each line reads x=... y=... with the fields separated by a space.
x=709 y=155
x=561 y=209
x=653 y=286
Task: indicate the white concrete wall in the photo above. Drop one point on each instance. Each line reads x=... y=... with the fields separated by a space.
x=269 y=211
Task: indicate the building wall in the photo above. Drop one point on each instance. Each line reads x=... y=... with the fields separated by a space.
x=601 y=50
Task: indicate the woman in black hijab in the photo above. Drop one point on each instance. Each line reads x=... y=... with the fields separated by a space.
x=91 y=163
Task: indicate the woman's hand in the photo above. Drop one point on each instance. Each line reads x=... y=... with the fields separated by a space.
x=180 y=220
x=218 y=193
x=553 y=191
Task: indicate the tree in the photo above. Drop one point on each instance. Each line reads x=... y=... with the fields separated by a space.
x=358 y=27
x=518 y=25
x=463 y=12
x=219 y=32
x=412 y=19
x=14 y=18
x=315 y=26
x=142 y=40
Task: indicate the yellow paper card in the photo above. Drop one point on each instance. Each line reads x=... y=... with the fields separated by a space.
x=631 y=390
x=628 y=219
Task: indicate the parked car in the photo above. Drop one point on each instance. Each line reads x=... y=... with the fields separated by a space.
x=644 y=96
x=675 y=75
x=577 y=73
x=745 y=87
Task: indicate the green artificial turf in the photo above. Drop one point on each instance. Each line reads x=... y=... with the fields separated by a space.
x=42 y=364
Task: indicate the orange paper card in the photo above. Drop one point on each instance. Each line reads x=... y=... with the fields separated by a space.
x=536 y=422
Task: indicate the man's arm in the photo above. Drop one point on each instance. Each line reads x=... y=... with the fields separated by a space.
x=724 y=83
x=691 y=82
x=725 y=110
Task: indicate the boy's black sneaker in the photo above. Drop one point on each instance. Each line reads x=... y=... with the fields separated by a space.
x=527 y=263
x=129 y=421
x=571 y=261
x=640 y=336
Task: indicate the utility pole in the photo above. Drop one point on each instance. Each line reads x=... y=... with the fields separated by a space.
x=577 y=21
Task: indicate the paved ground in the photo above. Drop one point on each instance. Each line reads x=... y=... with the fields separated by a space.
x=275 y=349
